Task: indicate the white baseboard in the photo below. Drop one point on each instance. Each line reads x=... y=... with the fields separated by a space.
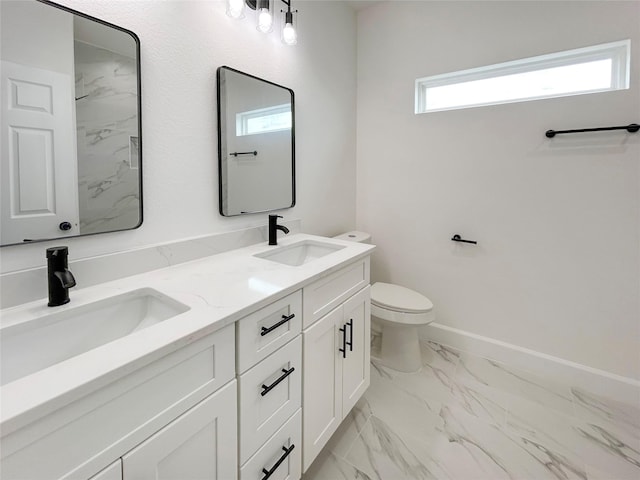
x=552 y=368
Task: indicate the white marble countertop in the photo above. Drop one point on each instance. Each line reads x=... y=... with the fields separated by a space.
x=219 y=290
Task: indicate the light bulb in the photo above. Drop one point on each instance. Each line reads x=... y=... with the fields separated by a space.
x=235 y=8
x=265 y=20
x=289 y=34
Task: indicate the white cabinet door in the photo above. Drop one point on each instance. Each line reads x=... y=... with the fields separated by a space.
x=201 y=444
x=355 y=365
x=112 y=472
x=322 y=386
x=336 y=352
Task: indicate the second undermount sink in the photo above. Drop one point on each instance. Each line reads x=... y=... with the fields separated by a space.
x=34 y=345
x=300 y=253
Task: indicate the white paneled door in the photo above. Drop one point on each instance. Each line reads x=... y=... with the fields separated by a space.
x=39 y=175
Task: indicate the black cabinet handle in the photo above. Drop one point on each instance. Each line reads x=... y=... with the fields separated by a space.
x=285 y=319
x=343 y=329
x=287 y=451
x=350 y=342
x=267 y=389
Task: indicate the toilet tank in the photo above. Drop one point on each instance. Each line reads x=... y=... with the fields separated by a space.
x=355 y=236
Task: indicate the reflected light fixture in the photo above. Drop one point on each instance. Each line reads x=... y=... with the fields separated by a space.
x=264 y=13
x=235 y=8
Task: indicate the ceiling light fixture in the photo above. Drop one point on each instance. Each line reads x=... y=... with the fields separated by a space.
x=264 y=16
x=289 y=33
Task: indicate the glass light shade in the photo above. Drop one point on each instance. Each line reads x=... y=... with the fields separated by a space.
x=265 y=20
x=289 y=34
x=235 y=8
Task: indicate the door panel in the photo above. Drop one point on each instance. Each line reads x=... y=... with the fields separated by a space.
x=355 y=367
x=322 y=389
x=199 y=445
x=39 y=169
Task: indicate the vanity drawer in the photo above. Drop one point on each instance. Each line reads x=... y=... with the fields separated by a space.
x=324 y=295
x=282 y=454
x=269 y=394
x=263 y=332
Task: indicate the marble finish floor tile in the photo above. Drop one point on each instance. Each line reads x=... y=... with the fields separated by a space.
x=350 y=428
x=608 y=413
x=609 y=448
x=474 y=370
x=463 y=417
x=329 y=466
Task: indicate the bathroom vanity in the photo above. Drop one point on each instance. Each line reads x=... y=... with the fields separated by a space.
x=238 y=365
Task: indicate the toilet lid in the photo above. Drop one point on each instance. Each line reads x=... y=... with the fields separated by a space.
x=399 y=299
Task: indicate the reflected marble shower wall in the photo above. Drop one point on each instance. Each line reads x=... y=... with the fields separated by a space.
x=466 y=417
x=107 y=129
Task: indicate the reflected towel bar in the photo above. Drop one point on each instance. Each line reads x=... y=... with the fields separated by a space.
x=631 y=128
x=235 y=154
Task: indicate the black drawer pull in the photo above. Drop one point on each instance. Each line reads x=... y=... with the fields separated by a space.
x=350 y=342
x=285 y=374
x=285 y=319
x=287 y=451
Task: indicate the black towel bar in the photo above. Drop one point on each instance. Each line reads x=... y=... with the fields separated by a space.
x=631 y=128
x=235 y=154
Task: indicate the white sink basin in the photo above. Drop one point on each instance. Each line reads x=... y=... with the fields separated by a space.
x=34 y=345
x=300 y=253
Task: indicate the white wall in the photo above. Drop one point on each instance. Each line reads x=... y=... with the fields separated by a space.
x=558 y=221
x=182 y=44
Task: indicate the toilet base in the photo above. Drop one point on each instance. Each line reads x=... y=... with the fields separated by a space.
x=400 y=349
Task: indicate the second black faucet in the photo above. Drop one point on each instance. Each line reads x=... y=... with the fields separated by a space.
x=273 y=229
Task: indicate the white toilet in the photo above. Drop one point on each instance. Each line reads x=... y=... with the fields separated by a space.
x=399 y=311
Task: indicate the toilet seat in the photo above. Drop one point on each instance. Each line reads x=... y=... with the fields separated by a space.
x=400 y=305
x=399 y=299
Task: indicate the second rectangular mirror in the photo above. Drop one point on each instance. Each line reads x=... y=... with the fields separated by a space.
x=256 y=144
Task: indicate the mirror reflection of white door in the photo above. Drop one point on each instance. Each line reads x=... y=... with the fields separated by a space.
x=39 y=173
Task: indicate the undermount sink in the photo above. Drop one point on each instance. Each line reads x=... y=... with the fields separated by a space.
x=300 y=253
x=34 y=345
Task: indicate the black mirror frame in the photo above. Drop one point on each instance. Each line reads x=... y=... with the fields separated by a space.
x=136 y=39
x=293 y=142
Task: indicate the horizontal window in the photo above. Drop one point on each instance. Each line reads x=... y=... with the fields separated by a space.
x=594 y=69
x=263 y=120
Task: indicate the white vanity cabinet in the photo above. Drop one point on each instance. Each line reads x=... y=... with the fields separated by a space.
x=199 y=445
x=254 y=399
x=269 y=364
x=336 y=356
x=85 y=437
x=112 y=472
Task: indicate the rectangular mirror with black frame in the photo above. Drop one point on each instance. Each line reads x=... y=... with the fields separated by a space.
x=71 y=155
x=256 y=144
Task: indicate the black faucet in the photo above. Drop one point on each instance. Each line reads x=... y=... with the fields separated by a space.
x=273 y=229
x=59 y=277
